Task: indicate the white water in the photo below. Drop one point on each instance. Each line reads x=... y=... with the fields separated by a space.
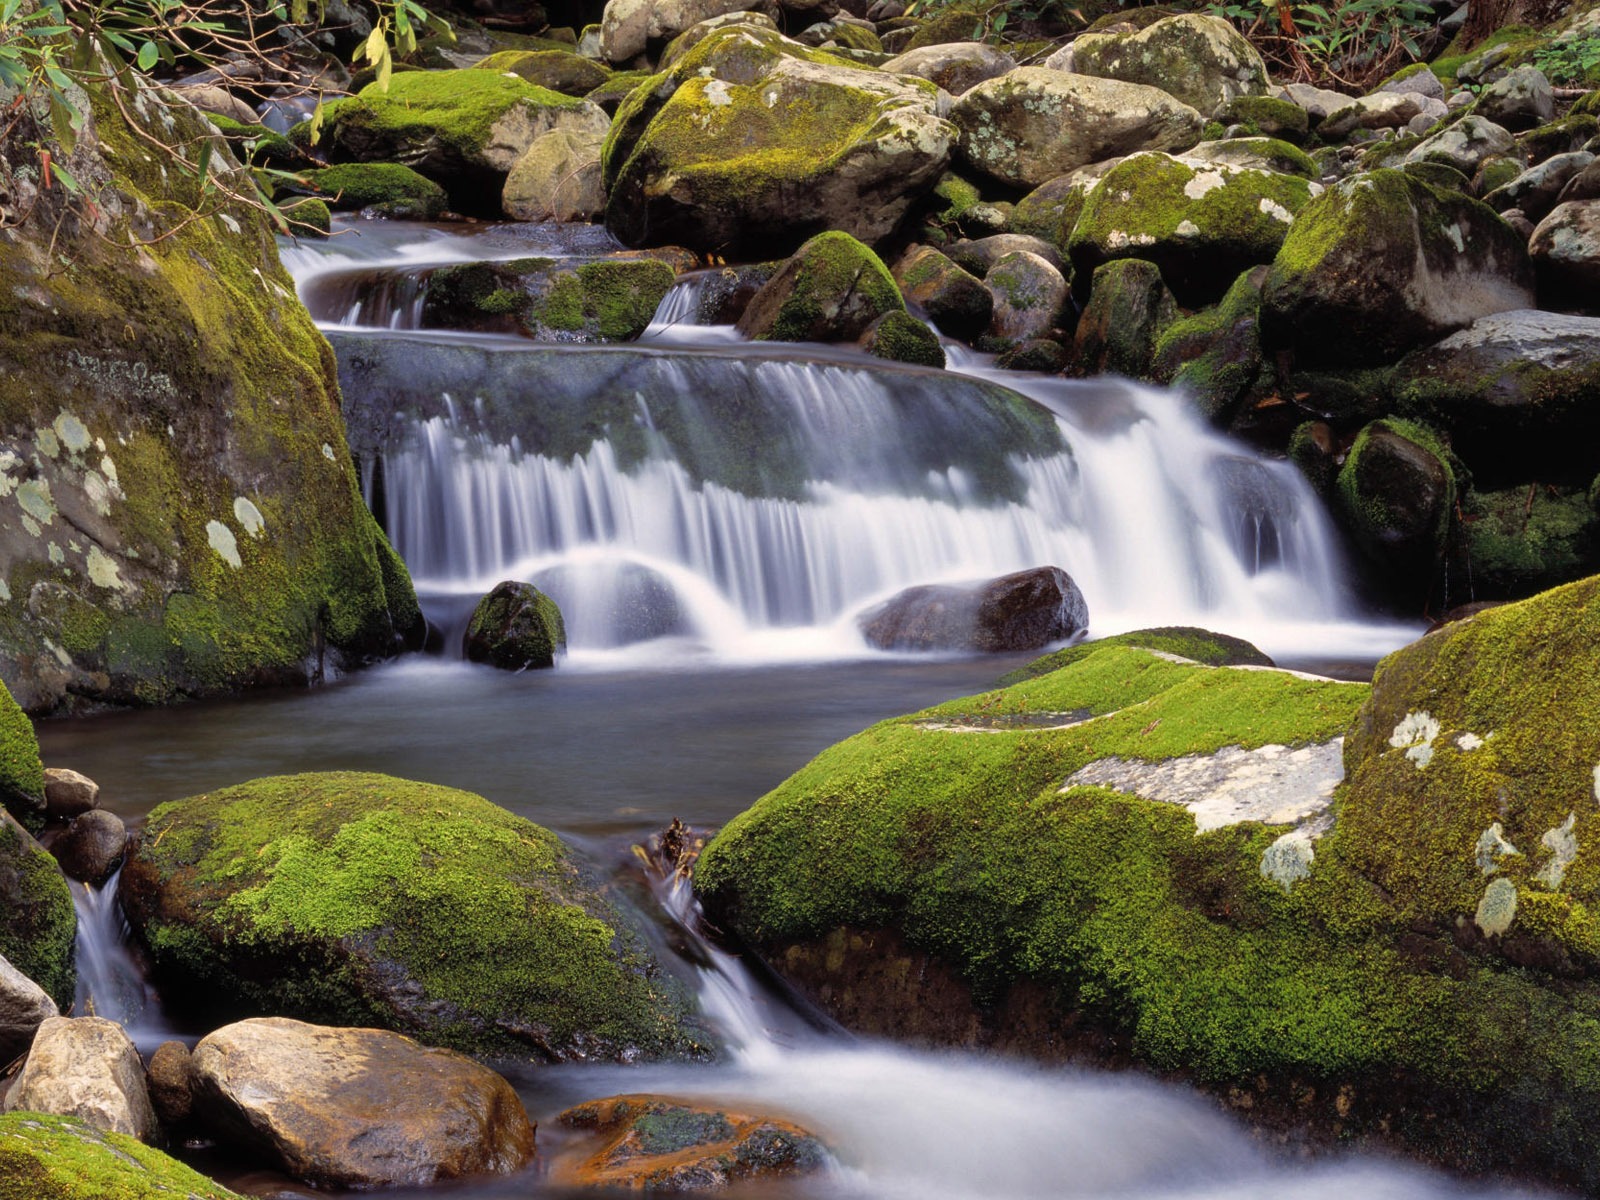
x=111 y=983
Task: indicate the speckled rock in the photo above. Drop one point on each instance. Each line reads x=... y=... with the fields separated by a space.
x=957 y=67
x=86 y=1067
x=1465 y=145
x=1030 y=296
x=1566 y=255
x=1201 y=59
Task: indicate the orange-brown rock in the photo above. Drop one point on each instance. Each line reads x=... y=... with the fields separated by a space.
x=657 y=1143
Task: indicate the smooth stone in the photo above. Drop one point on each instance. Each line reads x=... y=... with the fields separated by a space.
x=67 y=793
x=24 y=1006
x=86 y=1067
x=92 y=847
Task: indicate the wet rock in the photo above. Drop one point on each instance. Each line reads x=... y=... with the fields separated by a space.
x=1201 y=59
x=1129 y=309
x=558 y=70
x=170 y=1078
x=515 y=627
x=1521 y=99
x=67 y=793
x=568 y=299
x=1023 y=611
x=1039 y=354
x=955 y=300
x=1215 y=356
x=86 y=1067
x=629 y=602
x=379 y=189
x=978 y=256
x=54 y=1156
x=658 y=1144
x=1033 y=124
x=358 y=1108
x=557 y=179
x=956 y=67
x=91 y=849
x=24 y=1006
x=1566 y=255
x=830 y=290
x=1030 y=297
x=900 y=337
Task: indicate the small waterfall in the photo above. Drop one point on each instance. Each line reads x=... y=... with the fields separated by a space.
x=111 y=981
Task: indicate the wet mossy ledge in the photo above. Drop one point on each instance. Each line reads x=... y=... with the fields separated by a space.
x=179 y=515
x=63 y=1158
x=354 y=899
x=1423 y=974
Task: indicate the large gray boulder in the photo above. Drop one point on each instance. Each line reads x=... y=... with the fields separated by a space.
x=957 y=67
x=24 y=1006
x=86 y=1067
x=1202 y=60
x=752 y=143
x=516 y=627
x=1033 y=124
x=1465 y=145
x=1520 y=99
x=358 y=1108
x=557 y=179
x=1381 y=263
x=627 y=27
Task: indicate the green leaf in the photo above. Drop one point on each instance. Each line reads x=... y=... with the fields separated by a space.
x=64 y=122
x=149 y=56
x=65 y=178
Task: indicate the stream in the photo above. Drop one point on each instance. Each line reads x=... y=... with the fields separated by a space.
x=714 y=650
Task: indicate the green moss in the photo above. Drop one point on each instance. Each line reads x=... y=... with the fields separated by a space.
x=900 y=337
x=1523 y=540
x=457 y=106
x=388 y=189
x=332 y=877
x=828 y=269
x=1215 y=355
x=1198 y=645
x=61 y=1158
x=1380 y=507
x=559 y=70
x=1050 y=211
x=608 y=300
x=308 y=218
x=949 y=25
x=256 y=143
x=37 y=920
x=21 y=772
x=516 y=627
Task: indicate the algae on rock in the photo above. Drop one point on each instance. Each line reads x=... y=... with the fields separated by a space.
x=61 y=1158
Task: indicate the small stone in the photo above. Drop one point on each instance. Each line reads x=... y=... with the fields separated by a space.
x=171 y=1081
x=92 y=847
x=67 y=793
x=24 y=1006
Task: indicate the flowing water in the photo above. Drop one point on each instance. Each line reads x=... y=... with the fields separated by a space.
x=712 y=597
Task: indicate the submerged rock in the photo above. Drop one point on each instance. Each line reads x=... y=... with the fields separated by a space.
x=358 y=1108
x=85 y=1067
x=46 y=1157
x=1022 y=611
x=658 y=1144
x=362 y=899
x=515 y=627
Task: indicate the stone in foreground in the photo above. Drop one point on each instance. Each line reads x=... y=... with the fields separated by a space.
x=515 y=627
x=358 y=1108
x=24 y=1006
x=61 y=1158
x=86 y=1067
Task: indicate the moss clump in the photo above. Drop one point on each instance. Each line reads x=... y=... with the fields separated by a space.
x=61 y=1158
x=1215 y=355
x=516 y=627
x=559 y=70
x=1184 y=641
x=256 y=144
x=951 y=25
x=362 y=899
x=1523 y=540
x=386 y=189
x=308 y=218
x=1269 y=116
x=830 y=290
x=37 y=920
x=21 y=772
x=900 y=337
x=569 y=300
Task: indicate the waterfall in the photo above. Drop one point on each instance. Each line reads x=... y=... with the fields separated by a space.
x=111 y=982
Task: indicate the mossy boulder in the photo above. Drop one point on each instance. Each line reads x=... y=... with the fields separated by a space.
x=1215 y=355
x=179 y=514
x=1181 y=641
x=1201 y=224
x=1201 y=59
x=62 y=1158
x=257 y=145
x=307 y=217
x=900 y=337
x=953 y=876
x=752 y=143
x=1269 y=116
x=955 y=300
x=1051 y=210
x=1383 y=262
x=21 y=772
x=549 y=299
x=830 y=290
x=1397 y=495
x=957 y=67
x=558 y=179
x=515 y=627
x=557 y=70
x=1257 y=154
x=37 y=921
x=1465 y=145
x=1031 y=297
x=382 y=189
x=1033 y=124
x=464 y=129
x=697 y=33
x=363 y=900
x=1129 y=309
x=1526 y=539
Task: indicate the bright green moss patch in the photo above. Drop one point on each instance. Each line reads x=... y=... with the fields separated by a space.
x=831 y=289
x=603 y=300
x=1199 y=645
x=21 y=772
x=389 y=189
x=900 y=337
x=347 y=897
x=559 y=70
x=37 y=920
x=61 y=1158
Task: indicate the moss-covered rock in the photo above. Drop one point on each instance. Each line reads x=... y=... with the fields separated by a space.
x=1051 y=210
x=550 y=299
x=1182 y=641
x=307 y=217
x=1397 y=495
x=557 y=70
x=383 y=189
x=830 y=290
x=515 y=627
x=1522 y=540
x=1129 y=309
x=752 y=143
x=464 y=129
x=900 y=337
x=1202 y=224
x=1215 y=355
x=352 y=899
x=1257 y=154
x=955 y=300
x=61 y=1158
x=1036 y=354
x=37 y=920
x=610 y=94
x=1268 y=116
x=1201 y=59
x=1031 y=297
x=179 y=515
x=256 y=144
x=1382 y=262
x=21 y=772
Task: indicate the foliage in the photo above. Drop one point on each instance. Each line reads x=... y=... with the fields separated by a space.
x=1571 y=60
x=1349 y=42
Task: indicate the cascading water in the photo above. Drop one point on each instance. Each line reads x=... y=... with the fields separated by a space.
x=111 y=983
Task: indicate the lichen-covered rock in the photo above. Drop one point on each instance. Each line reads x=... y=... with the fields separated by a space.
x=1566 y=255
x=628 y=27
x=1268 y=116
x=37 y=922
x=955 y=300
x=1520 y=99
x=179 y=515
x=516 y=627
x=956 y=67
x=697 y=33
x=829 y=290
x=1255 y=153
x=656 y=1144
x=1030 y=297
x=752 y=143
x=558 y=70
x=1214 y=356
x=464 y=129
x=557 y=179
x=1201 y=224
x=381 y=189
x=1397 y=494
x=1033 y=124
x=900 y=337
x=1381 y=263
x=571 y=299
x=1201 y=59
x=1536 y=191
x=1465 y=145
x=61 y=1158
x=1129 y=309
x=86 y=1067
x=358 y=1108
x=22 y=778
x=365 y=900
x=1022 y=611
x=24 y=1006
x=1526 y=539
x=1050 y=211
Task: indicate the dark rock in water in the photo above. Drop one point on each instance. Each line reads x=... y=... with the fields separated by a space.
x=1397 y=493
x=170 y=1076
x=655 y=1143
x=1039 y=354
x=955 y=300
x=92 y=846
x=358 y=1108
x=549 y=299
x=900 y=337
x=1215 y=356
x=401 y=905
x=829 y=291
x=1015 y=612
x=1128 y=311
x=515 y=627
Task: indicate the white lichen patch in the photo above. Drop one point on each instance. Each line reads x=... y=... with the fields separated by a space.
x=46 y=442
x=5 y=591
x=224 y=543
x=98 y=493
x=1288 y=860
x=103 y=570
x=1597 y=783
x=249 y=517
x=1492 y=847
x=717 y=94
x=1121 y=239
x=1468 y=742
x=1563 y=846
x=1276 y=211
x=327 y=452
x=1272 y=784
x=1187 y=228
x=1498 y=908
x=1203 y=184
x=74 y=434
x=1453 y=232
x=56 y=553
x=1415 y=735
x=34 y=496
x=109 y=470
